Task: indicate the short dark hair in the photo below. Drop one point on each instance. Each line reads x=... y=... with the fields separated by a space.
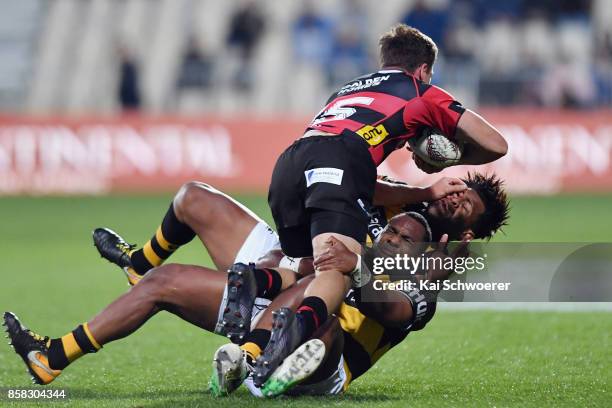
x=490 y=188
x=406 y=47
x=421 y=220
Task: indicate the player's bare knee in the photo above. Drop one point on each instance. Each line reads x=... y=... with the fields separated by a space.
x=322 y=242
x=158 y=282
x=195 y=200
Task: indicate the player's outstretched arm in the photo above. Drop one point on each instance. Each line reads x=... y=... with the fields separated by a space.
x=392 y=308
x=397 y=194
x=483 y=142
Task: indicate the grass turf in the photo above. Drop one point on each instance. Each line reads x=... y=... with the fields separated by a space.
x=53 y=279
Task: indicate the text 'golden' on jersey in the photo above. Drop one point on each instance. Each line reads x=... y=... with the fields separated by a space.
x=360 y=84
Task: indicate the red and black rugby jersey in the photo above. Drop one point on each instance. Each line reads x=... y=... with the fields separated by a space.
x=385 y=109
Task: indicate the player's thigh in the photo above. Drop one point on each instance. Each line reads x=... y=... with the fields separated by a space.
x=309 y=239
x=192 y=292
x=222 y=223
x=351 y=231
x=320 y=175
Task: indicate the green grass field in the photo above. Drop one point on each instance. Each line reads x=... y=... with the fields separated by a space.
x=53 y=279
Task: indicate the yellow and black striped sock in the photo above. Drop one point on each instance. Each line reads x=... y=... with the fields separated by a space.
x=66 y=349
x=254 y=343
x=252 y=350
x=170 y=235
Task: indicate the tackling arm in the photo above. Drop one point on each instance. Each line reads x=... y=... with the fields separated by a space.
x=392 y=194
x=391 y=309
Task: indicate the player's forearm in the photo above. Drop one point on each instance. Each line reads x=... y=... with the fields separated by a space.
x=483 y=142
x=475 y=154
x=388 y=194
x=390 y=308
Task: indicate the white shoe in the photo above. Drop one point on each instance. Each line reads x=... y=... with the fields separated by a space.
x=229 y=370
x=295 y=368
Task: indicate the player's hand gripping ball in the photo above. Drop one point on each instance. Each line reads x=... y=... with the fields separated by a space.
x=435 y=149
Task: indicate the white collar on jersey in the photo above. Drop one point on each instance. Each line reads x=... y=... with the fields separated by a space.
x=389 y=71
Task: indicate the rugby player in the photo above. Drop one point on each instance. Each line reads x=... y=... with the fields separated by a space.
x=200 y=209
x=191 y=292
x=184 y=290
x=347 y=346
x=324 y=183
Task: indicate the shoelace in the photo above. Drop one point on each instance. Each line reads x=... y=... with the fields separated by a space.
x=125 y=247
x=246 y=363
x=38 y=337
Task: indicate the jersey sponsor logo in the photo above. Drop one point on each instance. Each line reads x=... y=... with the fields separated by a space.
x=420 y=304
x=373 y=134
x=349 y=299
x=324 y=175
x=377 y=223
x=363 y=84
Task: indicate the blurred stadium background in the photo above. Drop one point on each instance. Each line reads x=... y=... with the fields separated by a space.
x=108 y=106
x=101 y=96
x=195 y=56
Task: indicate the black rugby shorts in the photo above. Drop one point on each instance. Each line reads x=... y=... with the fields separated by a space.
x=321 y=184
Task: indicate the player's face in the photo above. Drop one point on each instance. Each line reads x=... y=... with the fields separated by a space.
x=403 y=235
x=457 y=211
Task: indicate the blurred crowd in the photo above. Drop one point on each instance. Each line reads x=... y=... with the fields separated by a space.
x=205 y=55
x=511 y=52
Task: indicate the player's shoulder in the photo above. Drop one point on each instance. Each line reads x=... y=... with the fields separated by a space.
x=438 y=98
x=433 y=92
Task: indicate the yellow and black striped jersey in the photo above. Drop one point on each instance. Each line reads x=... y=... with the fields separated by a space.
x=365 y=339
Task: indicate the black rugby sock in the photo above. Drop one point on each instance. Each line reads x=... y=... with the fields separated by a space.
x=269 y=282
x=313 y=313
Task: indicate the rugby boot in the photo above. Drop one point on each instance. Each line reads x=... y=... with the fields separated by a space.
x=297 y=367
x=114 y=249
x=229 y=370
x=32 y=348
x=286 y=336
x=234 y=320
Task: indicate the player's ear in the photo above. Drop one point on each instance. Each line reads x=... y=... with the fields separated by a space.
x=467 y=234
x=423 y=72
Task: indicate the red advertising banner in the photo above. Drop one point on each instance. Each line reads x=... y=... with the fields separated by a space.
x=550 y=151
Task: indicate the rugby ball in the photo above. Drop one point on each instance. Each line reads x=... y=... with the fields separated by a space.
x=435 y=148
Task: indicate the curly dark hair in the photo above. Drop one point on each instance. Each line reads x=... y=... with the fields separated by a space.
x=490 y=188
x=406 y=47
